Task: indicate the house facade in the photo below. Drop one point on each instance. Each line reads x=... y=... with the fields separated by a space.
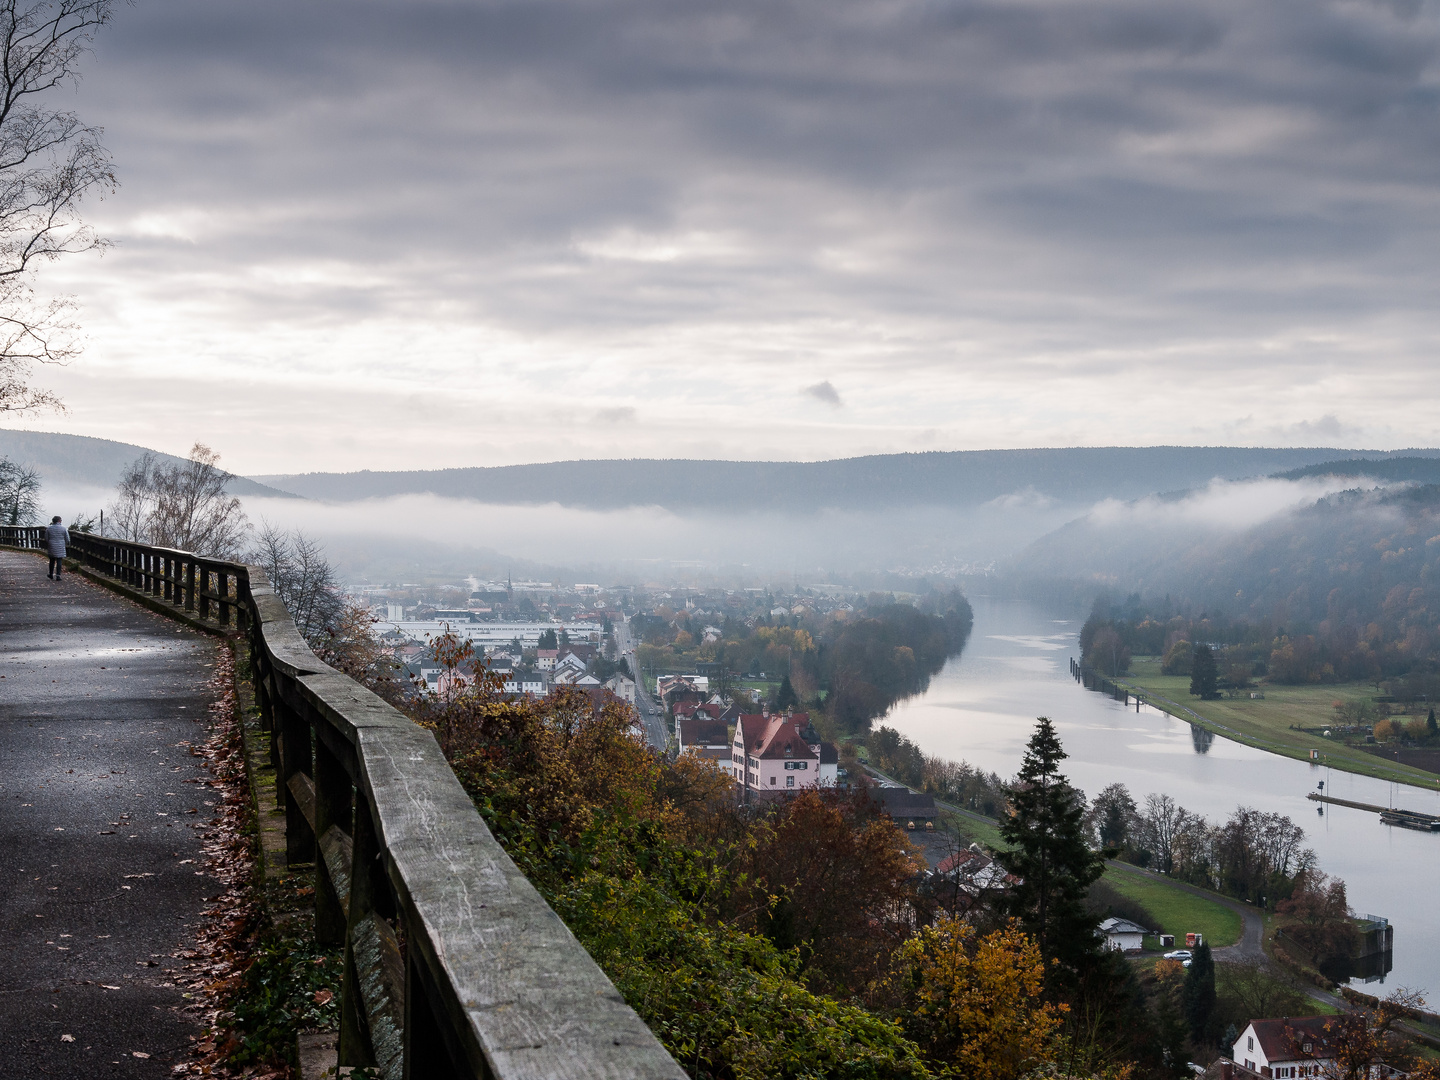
x=774 y=753
x=1122 y=935
x=703 y=737
x=623 y=687
x=527 y=682
x=1288 y=1048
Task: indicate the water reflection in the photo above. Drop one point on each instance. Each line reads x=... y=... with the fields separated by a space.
x=982 y=708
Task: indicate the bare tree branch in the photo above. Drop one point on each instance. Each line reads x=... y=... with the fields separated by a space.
x=182 y=506
x=49 y=161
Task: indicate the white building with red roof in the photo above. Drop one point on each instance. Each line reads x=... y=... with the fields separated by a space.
x=774 y=753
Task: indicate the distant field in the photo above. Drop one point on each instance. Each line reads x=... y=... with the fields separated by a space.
x=1266 y=723
x=1178 y=912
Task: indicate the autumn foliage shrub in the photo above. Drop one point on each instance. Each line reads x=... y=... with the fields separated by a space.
x=978 y=1003
x=766 y=941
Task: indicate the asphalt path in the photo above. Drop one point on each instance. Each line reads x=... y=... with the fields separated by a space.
x=652 y=717
x=100 y=801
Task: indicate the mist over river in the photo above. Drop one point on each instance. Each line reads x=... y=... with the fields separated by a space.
x=982 y=707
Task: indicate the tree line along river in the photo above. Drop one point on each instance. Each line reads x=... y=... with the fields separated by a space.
x=1016 y=666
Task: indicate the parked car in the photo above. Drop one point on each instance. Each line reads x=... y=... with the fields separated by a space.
x=1183 y=955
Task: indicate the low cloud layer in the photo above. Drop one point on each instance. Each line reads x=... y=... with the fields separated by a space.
x=396 y=235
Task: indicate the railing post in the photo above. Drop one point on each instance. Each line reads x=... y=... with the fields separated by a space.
x=222 y=590
x=190 y=584
x=295 y=758
x=242 y=601
x=354 y=1046
x=426 y=1055
x=334 y=807
x=204 y=574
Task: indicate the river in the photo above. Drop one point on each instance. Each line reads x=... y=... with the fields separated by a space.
x=982 y=706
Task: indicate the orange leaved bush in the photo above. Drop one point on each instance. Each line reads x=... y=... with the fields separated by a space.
x=978 y=1003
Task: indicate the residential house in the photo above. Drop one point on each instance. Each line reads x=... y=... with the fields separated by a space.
x=703 y=737
x=1290 y=1047
x=545 y=659
x=674 y=689
x=622 y=687
x=964 y=876
x=772 y=753
x=829 y=764
x=527 y=682
x=568 y=661
x=1122 y=935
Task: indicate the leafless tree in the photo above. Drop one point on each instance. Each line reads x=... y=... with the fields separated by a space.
x=1157 y=824
x=303 y=579
x=49 y=161
x=183 y=505
x=19 y=494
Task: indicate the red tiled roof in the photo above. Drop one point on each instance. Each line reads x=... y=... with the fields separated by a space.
x=963 y=859
x=781 y=740
x=1284 y=1039
x=749 y=729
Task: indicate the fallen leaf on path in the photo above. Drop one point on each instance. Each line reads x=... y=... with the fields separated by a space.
x=67 y=1038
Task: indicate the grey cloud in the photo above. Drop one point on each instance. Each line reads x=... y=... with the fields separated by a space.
x=824 y=392
x=1055 y=183
x=1327 y=427
x=620 y=414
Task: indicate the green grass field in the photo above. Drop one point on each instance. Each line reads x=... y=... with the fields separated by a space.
x=1266 y=723
x=973 y=829
x=1178 y=912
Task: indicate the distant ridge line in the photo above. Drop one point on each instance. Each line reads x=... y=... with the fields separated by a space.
x=942 y=478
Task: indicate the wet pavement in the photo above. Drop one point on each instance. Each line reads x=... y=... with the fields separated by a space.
x=101 y=810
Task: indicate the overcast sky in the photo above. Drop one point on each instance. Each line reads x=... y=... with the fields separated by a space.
x=369 y=235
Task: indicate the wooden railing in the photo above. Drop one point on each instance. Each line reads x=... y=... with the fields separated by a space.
x=454 y=965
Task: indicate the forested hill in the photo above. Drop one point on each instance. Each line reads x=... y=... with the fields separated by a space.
x=80 y=459
x=1351 y=582
x=1414 y=470
x=967 y=478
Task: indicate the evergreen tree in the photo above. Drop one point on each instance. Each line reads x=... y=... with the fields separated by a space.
x=1430 y=728
x=786 y=698
x=548 y=640
x=1203 y=676
x=1199 y=995
x=1050 y=855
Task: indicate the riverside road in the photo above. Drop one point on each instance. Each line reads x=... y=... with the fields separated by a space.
x=100 y=863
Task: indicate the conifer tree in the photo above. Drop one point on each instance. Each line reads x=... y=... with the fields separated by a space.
x=1430 y=728
x=1049 y=854
x=786 y=698
x=1199 y=994
x=1203 y=676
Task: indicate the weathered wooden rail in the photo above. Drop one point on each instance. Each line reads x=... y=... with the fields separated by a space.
x=454 y=965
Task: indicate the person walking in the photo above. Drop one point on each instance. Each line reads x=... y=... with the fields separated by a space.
x=56 y=537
